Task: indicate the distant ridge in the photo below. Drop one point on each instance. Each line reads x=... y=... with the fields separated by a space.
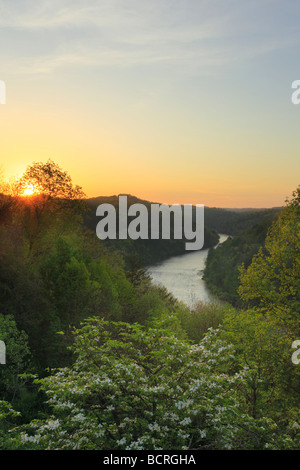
x=230 y=221
x=252 y=209
x=134 y=199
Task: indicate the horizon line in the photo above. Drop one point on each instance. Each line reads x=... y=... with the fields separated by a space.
x=247 y=208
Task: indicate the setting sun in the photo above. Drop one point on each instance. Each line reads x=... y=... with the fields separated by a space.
x=30 y=190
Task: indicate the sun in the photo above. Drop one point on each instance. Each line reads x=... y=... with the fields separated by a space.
x=30 y=190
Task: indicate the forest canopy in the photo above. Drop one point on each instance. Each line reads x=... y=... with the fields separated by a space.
x=101 y=358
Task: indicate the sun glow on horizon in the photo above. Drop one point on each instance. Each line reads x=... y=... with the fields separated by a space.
x=30 y=190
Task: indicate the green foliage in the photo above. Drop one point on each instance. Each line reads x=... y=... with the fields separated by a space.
x=17 y=357
x=234 y=221
x=197 y=322
x=265 y=350
x=135 y=388
x=7 y=419
x=136 y=369
x=68 y=282
x=135 y=271
x=222 y=266
x=50 y=181
x=272 y=281
x=140 y=253
x=54 y=209
x=16 y=388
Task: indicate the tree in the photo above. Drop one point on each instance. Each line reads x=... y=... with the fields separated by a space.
x=133 y=388
x=271 y=388
x=272 y=281
x=54 y=207
x=136 y=271
x=17 y=354
x=7 y=418
x=71 y=289
x=6 y=202
x=50 y=181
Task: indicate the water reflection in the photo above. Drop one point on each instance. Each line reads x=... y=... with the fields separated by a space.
x=182 y=276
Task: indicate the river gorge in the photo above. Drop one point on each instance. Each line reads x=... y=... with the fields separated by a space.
x=182 y=276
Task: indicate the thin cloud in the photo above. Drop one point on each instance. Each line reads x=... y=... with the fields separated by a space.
x=195 y=37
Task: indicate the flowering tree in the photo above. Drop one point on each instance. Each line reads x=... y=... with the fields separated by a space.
x=133 y=388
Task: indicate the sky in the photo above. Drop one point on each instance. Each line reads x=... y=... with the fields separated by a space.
x=173 y=101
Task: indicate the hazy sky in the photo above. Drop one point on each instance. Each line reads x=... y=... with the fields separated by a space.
x=176 y=101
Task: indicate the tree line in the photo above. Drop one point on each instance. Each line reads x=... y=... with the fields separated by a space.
x=100 y=358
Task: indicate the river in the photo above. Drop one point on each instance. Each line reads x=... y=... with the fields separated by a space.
x=182 y=276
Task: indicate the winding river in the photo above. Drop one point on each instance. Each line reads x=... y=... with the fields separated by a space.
x=182 y=276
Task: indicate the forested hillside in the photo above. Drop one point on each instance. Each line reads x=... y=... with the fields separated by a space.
x=146 y=251
x=98 y=358
x=222 y=265
x=234 y=222
x=216 y=221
